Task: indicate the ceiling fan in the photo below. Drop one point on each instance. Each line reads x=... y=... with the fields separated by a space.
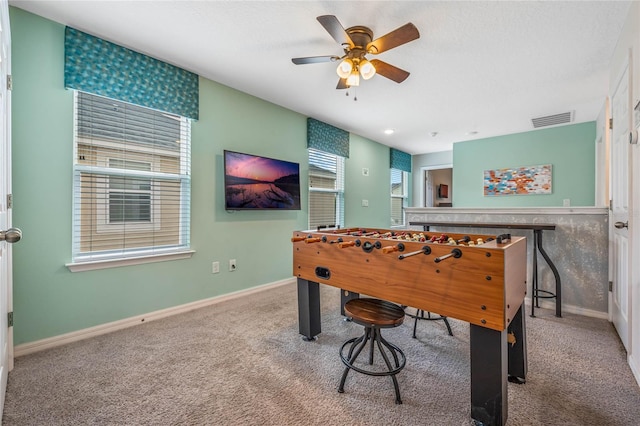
x=358 y=42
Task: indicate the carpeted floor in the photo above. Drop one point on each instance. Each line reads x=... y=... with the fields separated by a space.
x=242 y=362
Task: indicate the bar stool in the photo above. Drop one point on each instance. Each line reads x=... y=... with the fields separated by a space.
x=373 y=314
x=419 y=315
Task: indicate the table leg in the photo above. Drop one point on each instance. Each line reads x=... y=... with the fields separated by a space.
x=534 y=275
x=556 y=274
x=518 y=348
x=308 y=309
x=489 y=363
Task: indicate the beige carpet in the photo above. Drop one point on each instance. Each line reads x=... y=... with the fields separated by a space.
x=242 y=362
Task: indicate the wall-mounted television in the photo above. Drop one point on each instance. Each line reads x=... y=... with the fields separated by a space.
x=253 y=182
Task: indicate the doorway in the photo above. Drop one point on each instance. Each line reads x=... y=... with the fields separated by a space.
x=437 y=186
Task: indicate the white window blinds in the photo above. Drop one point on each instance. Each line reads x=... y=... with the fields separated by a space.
x=398 y=196
x=131 y=180
x=326 y=189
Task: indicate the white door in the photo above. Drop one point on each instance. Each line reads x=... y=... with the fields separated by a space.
x=619 y=214
x=6 y=235
x=428 y=189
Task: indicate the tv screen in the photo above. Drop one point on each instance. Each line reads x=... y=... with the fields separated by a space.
x=252 y=182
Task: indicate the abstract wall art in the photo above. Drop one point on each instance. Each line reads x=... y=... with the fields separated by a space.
x=525 y=180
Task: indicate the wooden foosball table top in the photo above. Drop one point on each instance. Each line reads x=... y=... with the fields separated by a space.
x=477 y=278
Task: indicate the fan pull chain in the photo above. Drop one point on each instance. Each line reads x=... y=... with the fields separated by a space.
x=355 y=94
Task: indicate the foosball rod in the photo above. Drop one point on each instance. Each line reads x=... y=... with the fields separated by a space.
x=456 y=253
x=424 y=250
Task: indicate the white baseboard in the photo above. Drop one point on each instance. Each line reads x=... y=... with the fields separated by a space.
x=635 y=367
x=74 y=336
x=571 y=309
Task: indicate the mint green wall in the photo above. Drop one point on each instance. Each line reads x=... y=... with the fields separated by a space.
x=569 y=149
x=49 y=300
x=375 y=188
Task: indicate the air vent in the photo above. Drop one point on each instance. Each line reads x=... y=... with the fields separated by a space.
x=552 y=120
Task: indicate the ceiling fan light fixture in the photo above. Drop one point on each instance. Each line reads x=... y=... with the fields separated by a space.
x=353 y=80
x=367 y=70
x=345 y=68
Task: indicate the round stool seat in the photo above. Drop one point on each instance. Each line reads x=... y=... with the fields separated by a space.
x=374 y=312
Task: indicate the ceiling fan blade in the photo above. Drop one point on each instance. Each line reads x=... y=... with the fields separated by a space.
x=314 y=59
x=342 y=84
x=335 y=28
x=395 y=38
x=387 y=70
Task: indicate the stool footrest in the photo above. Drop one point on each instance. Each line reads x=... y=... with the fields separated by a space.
x=373 y=337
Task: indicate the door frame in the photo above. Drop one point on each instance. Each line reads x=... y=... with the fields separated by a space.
x=426 y=169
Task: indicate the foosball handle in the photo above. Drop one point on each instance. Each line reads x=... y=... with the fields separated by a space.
x=297 y=239
x=312 y=240
x=503 y=238
x=391 y=249
x=346 y=244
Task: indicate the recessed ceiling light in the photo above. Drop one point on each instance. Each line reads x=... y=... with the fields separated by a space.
x=433 y=134
x=389 y=132
x=471 y=133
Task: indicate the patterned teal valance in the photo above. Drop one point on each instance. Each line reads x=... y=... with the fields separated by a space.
x=327 y=138
x=97 y=66
x=400 y=160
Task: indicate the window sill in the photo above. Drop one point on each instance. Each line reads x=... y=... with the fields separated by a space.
x=92 y=265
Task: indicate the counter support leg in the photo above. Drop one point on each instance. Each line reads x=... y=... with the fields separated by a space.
x=489 y=364
x=534 y=275
x=308 y=309
x=556 y=274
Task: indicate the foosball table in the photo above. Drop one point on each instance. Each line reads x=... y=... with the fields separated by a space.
x=480 y=279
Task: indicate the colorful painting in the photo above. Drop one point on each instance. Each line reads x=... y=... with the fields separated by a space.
x=518 y=181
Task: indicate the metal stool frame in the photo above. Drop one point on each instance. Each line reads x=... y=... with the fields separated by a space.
x=374 y=337
x=419 y=315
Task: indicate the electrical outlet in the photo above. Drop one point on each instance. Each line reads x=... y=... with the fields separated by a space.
x=365 y=203
x=215 y=267
x=566 y=202
x=232 y=265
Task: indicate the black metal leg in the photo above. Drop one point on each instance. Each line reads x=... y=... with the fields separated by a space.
x=518 y=349
x=415 y=321
x=556 y=274
x=420 y=315
x=377 y=339
x=489 y=363
x=360 y=343
x=534 y=275
x=308 y=309
x=373 y=336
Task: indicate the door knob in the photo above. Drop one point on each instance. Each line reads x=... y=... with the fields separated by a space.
x=621 y=225
x=11 y=235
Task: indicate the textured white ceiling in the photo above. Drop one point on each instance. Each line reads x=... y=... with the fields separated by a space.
x=483 y=66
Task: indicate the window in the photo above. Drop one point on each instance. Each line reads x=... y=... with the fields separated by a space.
x=399 y=191
x=131 y=180
x=326 y=189
x=129 y=200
